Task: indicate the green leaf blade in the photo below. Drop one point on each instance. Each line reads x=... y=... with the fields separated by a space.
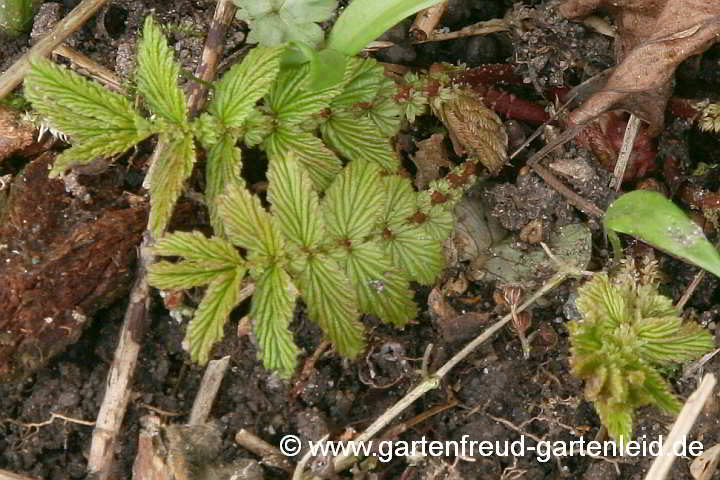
x=295 y=204
x=196 y=247
x=182 y=275
x=271 y=311
x=332 y=304
x=223 y=168
x=167 y=176
x=237 y=92
x=416 y=253
x=206 y=327
x=358 y=138
x=157 y=75
x=654 y=219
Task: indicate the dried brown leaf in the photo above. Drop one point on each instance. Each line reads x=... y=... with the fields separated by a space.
x=474 y=129
x=430 y=157
x=654 y=37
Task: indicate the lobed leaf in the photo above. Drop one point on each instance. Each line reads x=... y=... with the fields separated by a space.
x=206 y=327
x=332 y=304
x=354 y=202
x=320 y=162
x=271 y=311
x=380 y=289
x=237 y=92
x=357 y=138
x=249 y=225
x=167 y=175
x=157 y=75
x=295 y=204
x=196 y=247
x=416 y=253
x=400 y=202
x=223 y=168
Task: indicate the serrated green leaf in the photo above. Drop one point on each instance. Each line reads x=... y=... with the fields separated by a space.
x=187 y=274
x=362 y=81
x=249 y=225
x=293 y=102
x=385 y=112
x=206 y=327
x=196 y=247
x=295 y=204
x=157 y=75
x=664 y=340
x=617 y=421
x=381 y=290
x=440 y=220
x=416 y=253
x=258 y=126
x=223 y=167
x=84 y=110
x=320 y=162
x=357 y=138
x=92 y=149
x=656 y=220
x=332 y=304
x=599 y=301
x=237 y=92
x=354 y=202
x=167 y=175
x=400 y=202
x=271 y=312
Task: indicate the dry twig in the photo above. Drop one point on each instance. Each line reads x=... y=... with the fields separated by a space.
x=426 y=21
x=209 y=386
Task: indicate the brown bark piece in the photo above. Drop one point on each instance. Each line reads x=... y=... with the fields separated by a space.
x=654 y=37
x=15 y=134
x=59 y=264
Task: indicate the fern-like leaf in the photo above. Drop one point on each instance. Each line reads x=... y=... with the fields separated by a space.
x=237 y=92
x=271 y=311
x=320 y=162
x=332 y=304
x=249 y=225
x=295 y=204
x=223 y=168
x=206 y=327
x=354 y=202
x=167 y=176
x=157 y=75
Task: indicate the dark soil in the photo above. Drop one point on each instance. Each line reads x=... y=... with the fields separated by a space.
x=495 y=394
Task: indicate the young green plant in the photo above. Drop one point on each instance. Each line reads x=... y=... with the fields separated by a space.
x=627 y=334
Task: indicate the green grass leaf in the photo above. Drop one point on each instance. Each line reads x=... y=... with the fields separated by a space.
x=656 y=220
x=295 y=204
x=354 y=202
x=332 y=304
x=320 y=162
x=223 y=168
x=416 y=253
x=157 y=75
x=249 y=225
x=380 y=289
x=271 y=312
x=167 y=176
x=237 y=92
x=363 y=21
x=358 y=138
x=206 y=327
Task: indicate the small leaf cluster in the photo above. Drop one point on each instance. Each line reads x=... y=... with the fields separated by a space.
x=709 y=120
x=257 y=101
x=628 y=332
x=352 y=250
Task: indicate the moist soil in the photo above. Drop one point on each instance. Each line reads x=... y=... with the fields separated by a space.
x=495 y=394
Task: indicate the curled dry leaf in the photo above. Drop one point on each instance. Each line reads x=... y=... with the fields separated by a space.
x=430 y=157
x=15 y=133
x=654 y=37
x=474 y=129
